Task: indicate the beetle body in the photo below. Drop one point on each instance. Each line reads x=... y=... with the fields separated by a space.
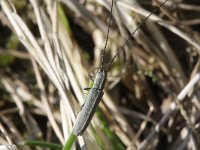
x=91 y=102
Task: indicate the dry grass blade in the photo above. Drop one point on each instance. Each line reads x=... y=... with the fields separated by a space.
x=151 y=96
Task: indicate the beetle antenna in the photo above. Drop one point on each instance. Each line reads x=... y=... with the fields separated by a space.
x=136 y=29
x=106 y=42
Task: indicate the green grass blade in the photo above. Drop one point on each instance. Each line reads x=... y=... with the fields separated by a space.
x=43 y=144
x=70 y=141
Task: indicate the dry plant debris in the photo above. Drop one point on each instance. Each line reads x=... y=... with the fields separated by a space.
x=152 y=98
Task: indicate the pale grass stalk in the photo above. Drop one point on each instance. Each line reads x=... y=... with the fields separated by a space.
x=26 y=96
x=169 y=58
x=55 y=17
x=59 y=60
x=43 y=33
x=45 y=101
x=32 y=46
x=182 y=94
x=163 y=23
x=84 y=13
x=68 y=55
x=35 y=50
x=27 y=118
x=29 y=41
x=15 y=53
x=8 y=85
x=168 y=52
x=5 y=133
x=12 y=127
x=8 y=147
x=66 y=122
x=126 y=128
x=185 y=140
x=143 y=125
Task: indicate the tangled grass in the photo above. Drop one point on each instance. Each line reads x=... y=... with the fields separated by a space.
x=151 y=99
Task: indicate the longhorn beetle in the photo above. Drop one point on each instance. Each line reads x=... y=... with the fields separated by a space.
x=96 y=92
